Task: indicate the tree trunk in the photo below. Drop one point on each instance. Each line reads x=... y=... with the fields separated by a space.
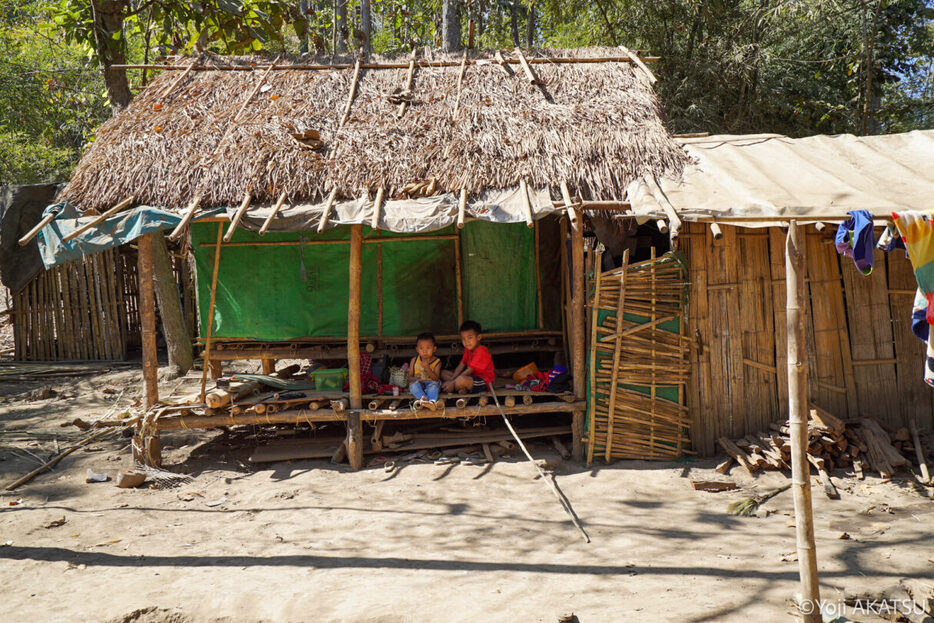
x=514 y=22
x=177 y=339
x=530 y=27
x=108 y=20
x=450 y=26
x=340 y=26
x=365 y=24
x=301 y=27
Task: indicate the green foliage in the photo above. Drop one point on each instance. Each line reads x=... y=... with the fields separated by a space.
x=25 y=160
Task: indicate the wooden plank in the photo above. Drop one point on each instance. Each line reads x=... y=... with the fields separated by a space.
x=870 y=332
x=725 y=341
x=699 y=399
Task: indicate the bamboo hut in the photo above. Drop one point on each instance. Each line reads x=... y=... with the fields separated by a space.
x=316 y=193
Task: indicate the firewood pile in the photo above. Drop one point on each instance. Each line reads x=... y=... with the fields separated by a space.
x=862 y=444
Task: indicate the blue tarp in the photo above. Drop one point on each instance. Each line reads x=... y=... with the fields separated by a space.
x=113 y=232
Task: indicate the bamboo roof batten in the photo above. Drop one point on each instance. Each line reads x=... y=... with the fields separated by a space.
x=418 y=63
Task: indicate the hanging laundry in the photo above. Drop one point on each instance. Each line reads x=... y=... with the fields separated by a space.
x=915 y=229
x=855 y=240
x=891 y=240
x=922 y=328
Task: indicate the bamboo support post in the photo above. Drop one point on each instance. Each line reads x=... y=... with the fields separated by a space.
x=409 y=77
x=569 y=206
x=207 y=345
x=327 y=210
x=32 y=233
x=796 y=296
x=272 y=215
x=526 y=203
x=377 y=206
x=538 y=279
x=235 y=221
x=354 y=426
x=350 y=96
x=98 y=219
x=578 y=344
x=458 y=280
x=460 y=86
x=370 y=346
x=461 y=208
x=189 y=214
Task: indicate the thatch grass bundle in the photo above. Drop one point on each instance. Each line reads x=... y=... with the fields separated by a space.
x=599 y=127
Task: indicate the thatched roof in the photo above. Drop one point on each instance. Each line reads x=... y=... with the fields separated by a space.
x=597 y=126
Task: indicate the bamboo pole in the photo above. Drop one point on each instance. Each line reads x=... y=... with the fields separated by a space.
x=796 y=293
x=306 y=243
x=409 y=76
x=526 y=203
x=565 y=292
x=458 y=279
x=32 y=233
x=350 y=96
x=578 y=344
x=533 y=79
x=354 y=426
x=377 y=206
x=418 y=63
x=538 y=279
x=178 y=80
x=327 y=210
x=593 y=355
x=379 y=291
x=147 y=313
x=97 y=220
x=272 y=215
x=569 y=206
x=616 y=352
x=460 y=86
x=207 y=344
x=244 y=204
x=461 y=208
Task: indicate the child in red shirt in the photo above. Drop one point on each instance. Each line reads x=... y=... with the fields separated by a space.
x=476 y=367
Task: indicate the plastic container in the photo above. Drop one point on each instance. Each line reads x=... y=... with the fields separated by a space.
x=330 y=379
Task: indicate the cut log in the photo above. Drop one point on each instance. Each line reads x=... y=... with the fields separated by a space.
x=825 y=420
x=713 y=485
x=731 y=449
x=219 y=397
x=724 y=467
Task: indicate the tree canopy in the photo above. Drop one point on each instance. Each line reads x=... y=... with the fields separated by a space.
x=737 y=66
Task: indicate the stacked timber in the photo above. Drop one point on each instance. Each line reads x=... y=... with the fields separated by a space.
x=832 y=443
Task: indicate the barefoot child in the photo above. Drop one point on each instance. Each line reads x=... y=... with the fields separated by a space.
x=426 y=372
x=476 y=367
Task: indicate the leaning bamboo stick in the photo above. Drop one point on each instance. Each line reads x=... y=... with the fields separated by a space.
x=99 y=219
x=593 y=340
x=377 y=207
x=54 y=461
x=238 y=215
x=569 y=206
x=178 y=80
x=638 y=62
x=32 y=233
x=533 y=79
x=461 y=208
x=616 y=352
x=526 y=203
x=460 y=86
x=350 y=96
x=408 y=83
x=327 y=210
x=272 y=215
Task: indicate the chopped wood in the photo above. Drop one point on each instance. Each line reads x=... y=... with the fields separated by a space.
x=713 y=485
x=731 y=449
x=825 y=420
x=724 y=467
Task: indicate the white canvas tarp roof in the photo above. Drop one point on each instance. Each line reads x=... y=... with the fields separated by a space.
x=818 y=177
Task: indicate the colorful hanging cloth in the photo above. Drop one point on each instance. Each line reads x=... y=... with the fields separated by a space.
x=915 y=229
x=922 y=328
x=855 y=240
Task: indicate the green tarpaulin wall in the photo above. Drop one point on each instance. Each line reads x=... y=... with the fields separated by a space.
x=300 y=288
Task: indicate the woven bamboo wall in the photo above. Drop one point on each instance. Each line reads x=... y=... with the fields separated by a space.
x=863 y=359
x=74 y=311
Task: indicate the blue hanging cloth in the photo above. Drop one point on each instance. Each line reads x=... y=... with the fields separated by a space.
x=856 y=240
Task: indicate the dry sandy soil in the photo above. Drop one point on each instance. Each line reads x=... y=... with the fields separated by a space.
x=310 y=541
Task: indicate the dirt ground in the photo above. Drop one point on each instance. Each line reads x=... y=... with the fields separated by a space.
x=311 y=541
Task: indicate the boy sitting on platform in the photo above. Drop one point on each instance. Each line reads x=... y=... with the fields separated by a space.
x=476 y=367
x=426 y=372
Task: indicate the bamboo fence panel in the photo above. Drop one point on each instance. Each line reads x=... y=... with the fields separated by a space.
x=627 y=352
